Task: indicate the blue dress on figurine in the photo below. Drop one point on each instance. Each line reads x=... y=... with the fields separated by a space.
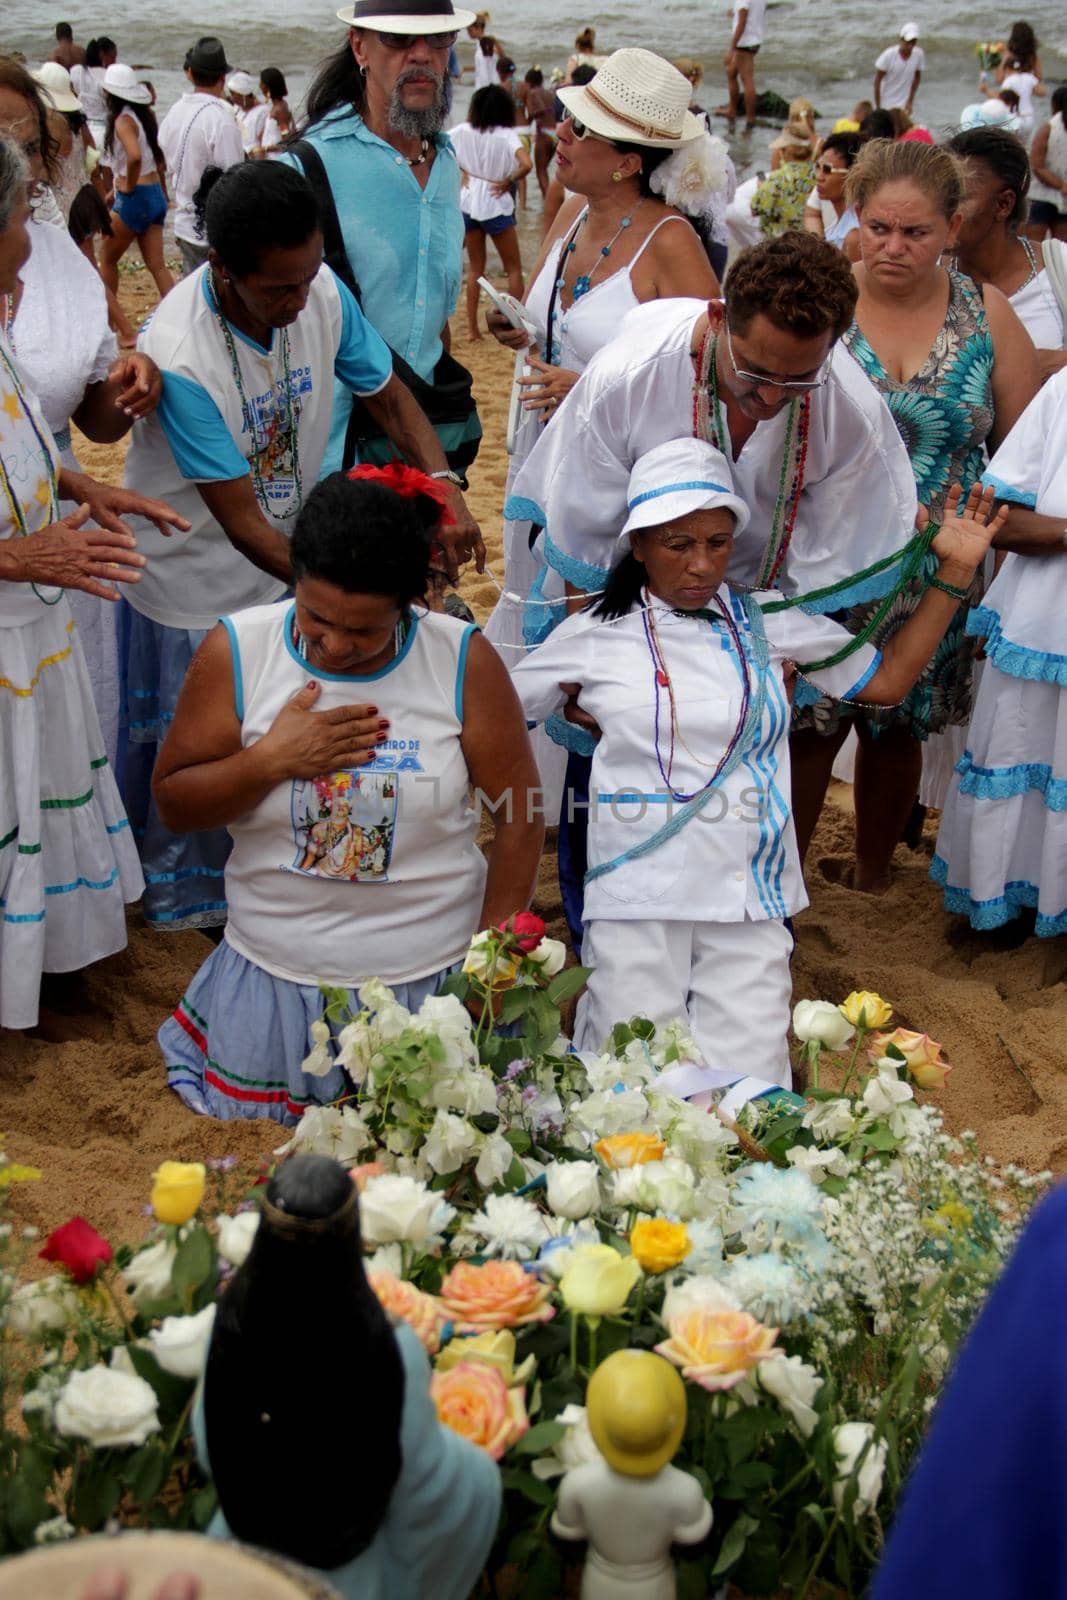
x=339 y=1464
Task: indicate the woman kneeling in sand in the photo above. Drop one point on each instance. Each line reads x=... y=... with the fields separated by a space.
x=693 y=864
x=336 y=736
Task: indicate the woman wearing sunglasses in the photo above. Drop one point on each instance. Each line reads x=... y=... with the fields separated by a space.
x=832 y=165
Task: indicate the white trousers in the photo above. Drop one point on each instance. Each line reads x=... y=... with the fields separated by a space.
x=727 y=981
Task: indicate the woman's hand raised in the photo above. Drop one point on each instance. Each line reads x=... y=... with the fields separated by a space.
x=304 y=743
x=964 y=536
x=66 y=555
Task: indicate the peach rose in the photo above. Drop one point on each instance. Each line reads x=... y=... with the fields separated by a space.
x=362 y=1175
x=475 y=1402
x=498 y=1294
x=925 y=1063
x=630 y=1149
x=658 y=1244
x=423 y=1313
x=717 y=1348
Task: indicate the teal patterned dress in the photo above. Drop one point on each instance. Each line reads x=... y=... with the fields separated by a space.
x=944 y=414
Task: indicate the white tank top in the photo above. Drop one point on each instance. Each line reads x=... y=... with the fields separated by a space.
x=593 y=320
x=117 y=154
x=373 y=872
x=1055 y=162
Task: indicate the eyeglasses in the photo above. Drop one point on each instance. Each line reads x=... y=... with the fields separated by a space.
x=765 y=381
x=404 y=41
x=825 y=166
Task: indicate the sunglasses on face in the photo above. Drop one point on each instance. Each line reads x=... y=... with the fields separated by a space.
x=825 y=167
x=404 y=41
x=764 y=381
x=580 y=131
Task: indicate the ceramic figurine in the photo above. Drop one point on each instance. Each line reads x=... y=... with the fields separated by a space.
x=315 y=1418
x=632 y=1506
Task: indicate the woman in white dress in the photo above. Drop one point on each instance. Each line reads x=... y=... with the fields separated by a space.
x=67 y=861
x=88 y=84
x=1002 y=847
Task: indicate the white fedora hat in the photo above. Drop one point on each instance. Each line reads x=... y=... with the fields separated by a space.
x=54 y=79
x=406 y=16
x=636 y=98
x=678 y=477
x=124 y=83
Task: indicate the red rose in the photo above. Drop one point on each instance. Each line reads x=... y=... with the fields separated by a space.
x=79 y=1248
x=527 y=928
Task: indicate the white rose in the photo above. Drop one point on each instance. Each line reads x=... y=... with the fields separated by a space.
x=794 y=1384
x=849 y=1439
x=45 y=1306
x=819 y=1164
x=624 y=1186
x=450 y=1143
x=887 y=1096
x=576 y=1448
x=550 y=956
x=693 y=1294
x=107 y=1408
x=389 y=1258
x=180 y=1344
x=484 y=953
x=395 y=1209
x=667 y=1186
x=236 y=1235
x=819 y=1022
x=830 y=1119
x=573 y=1188
x=148 y=1274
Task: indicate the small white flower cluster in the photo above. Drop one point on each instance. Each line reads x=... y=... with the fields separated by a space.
x=693 y=175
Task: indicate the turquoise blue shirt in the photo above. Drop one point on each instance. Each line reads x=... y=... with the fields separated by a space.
x=442 y=1517
x=405 y=243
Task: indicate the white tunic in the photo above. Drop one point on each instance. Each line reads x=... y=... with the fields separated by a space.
x=738 y=859
x=1037 y=308
x=858 y=502
x=369 y=872
x=1003 y=838
x=199 y=131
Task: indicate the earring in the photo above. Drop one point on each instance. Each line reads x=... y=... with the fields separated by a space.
x=616 y=177
x=363 y=72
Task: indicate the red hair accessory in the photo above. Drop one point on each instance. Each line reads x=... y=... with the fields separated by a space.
x=407 y=482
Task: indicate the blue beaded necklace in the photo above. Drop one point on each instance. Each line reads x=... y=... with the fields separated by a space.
x=584 y=281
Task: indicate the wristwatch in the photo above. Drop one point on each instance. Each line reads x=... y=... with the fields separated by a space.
x=446 y=472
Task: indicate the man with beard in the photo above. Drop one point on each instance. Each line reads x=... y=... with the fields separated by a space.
x=376 y=112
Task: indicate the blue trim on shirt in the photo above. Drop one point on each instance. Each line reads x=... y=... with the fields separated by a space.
x=346 y=677
x=582 y=574
x=461 y=667
x=861 y=683
x=235 y=657
x=1015 y=660
x=200 y=441
x=1004 y=783
x=1008 y=491
x=1001 y=908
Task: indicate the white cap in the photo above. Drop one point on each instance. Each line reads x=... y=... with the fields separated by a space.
x=241 y=83
x=909 y=32
x=676 y=478
x=55 y=81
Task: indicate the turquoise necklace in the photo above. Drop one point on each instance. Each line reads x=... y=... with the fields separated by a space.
x=584 y=281
x=248 y=414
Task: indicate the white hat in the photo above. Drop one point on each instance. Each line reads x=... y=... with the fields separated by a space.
x=909 y=33
x=55 y=81
x=123 y=82
x=241 y=83
x=406 y=16
x=636 y=98
x=676 y=478
x=988 y=114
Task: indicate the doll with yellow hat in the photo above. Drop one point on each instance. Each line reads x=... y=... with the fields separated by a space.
x=631 y=1506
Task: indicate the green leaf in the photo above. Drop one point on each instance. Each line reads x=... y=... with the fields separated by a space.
x=194 y=1262
x=204 y=1505
x=146 y=1473
x=567 y=983
x=515 y=1004
x=171 y=1392
x=733 y=1546
x=519 y=1140
x=97 y=1490
x=531 y=1488
x=621 y=1035
x=540 y=1438
x=745 y=1479
x=515 y=1176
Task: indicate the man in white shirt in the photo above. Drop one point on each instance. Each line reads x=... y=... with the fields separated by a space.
x=200 y=131
x=898 y=70
x=740 y=57
x=250 y=115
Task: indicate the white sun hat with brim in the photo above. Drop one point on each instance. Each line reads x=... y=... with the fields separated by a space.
x=54 y=79
x=406 y=16
x=989 y=114
x=675 y=479
x=241 y=83
x=124 y=83
x=636 y=98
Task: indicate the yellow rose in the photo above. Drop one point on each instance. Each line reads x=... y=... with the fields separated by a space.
x=598 y=1280
x=717 y=1348
x=177 y=1190
x=922 y=1055
x=864 y=1009
x=630 y=1149
x=658 y=1244
x=493 y=1349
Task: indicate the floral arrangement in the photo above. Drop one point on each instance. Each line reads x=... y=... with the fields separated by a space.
x=990 y=53
x=810 y=1268
x=692 y=177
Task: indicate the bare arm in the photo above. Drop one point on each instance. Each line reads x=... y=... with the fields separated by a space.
x=502 y=768
x=233 y=504
x=109 y=409
x=675 y=265
x=204 y=778
x=879 y=75
x=1039 y=157
x=1030 y=533
x=1016 y=373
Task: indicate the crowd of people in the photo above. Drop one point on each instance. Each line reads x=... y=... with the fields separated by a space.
x=752 y=509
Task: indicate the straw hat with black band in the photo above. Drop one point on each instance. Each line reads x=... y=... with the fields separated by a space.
x=406 y=16
x=636 y=98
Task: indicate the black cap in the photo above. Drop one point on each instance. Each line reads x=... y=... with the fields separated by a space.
x=207 y=55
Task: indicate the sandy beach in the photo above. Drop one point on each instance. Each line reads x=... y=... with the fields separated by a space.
x=89 y=1104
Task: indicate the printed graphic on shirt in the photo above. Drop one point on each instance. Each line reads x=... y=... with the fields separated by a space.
x=277 y=422
x=344 y=825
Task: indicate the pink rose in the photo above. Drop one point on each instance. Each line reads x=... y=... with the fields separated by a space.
x=717 y=1348
x=922 y=1055
x=498 y=1294
x=475 y=1402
